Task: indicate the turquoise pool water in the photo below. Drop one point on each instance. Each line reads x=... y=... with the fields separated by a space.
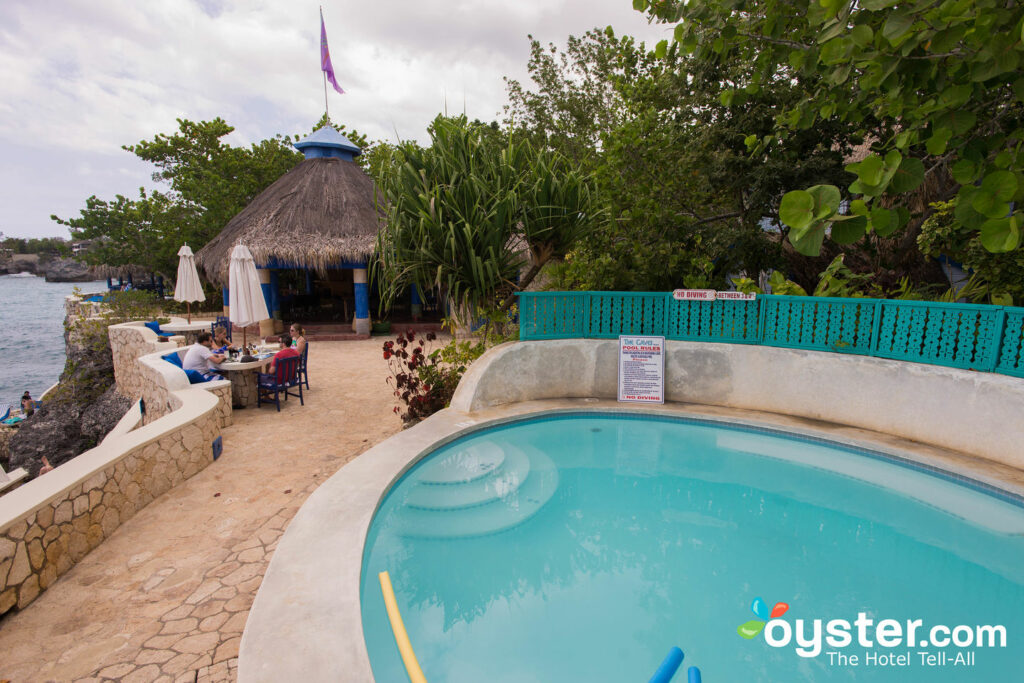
x=582 y=548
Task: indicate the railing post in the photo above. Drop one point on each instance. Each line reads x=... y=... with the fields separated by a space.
x=1000 y=332
x=876 y=326
x=760 y=318
x=586 y=315
x=522 y=326
x=668 y=314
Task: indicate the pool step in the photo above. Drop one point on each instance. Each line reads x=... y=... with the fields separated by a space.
x=500 y=482
x=499 y=514
x=463 y=466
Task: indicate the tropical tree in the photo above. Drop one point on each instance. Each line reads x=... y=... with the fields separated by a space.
x=936 y=86
x=688 y=202
x=466 y=214
x=209 y=180
x=145 y=232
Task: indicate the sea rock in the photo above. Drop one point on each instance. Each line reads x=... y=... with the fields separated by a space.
x=103 y=415
x=80 y=412
x=5 y=453
x=68 y=270
x=23 y=263
x=54 y=431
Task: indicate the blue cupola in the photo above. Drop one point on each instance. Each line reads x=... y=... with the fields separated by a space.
x=327 y=142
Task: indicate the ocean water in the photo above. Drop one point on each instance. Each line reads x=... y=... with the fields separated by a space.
x=32 y=333
x=583 y=548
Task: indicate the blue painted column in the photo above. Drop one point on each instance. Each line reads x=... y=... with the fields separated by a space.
x=275 y=297
x=309 y=282
x=226 y=299
x=266 y=326
x=362 y=322
x=416 y=304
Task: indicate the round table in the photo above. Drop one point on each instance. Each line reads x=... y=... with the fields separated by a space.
x=189 y=330
x=243 y=378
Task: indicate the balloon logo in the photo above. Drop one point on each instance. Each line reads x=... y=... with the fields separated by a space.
x=753 y=628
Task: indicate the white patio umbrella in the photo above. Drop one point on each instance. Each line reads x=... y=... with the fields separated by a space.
x=188 y=288
x=245 y=296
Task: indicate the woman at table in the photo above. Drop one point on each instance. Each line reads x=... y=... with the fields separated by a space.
x=221 y=341
x=298 y=336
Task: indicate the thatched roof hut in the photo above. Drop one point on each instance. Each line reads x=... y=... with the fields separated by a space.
x=322 y=212
x=129 y=270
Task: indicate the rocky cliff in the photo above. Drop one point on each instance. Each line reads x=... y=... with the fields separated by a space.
x=20 y=263
x=68 y=270
x=81 y=411
x=53 y=269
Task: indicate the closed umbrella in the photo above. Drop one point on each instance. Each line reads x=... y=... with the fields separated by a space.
x=245 y=296
x=188 y=288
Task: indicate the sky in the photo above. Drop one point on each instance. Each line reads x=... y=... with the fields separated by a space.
x=79 y=79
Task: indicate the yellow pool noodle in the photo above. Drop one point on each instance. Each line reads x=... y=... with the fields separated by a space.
x=412 y=666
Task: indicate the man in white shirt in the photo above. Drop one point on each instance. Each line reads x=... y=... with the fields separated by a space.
x=200 y=356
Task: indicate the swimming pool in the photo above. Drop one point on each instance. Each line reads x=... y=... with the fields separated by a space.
x=583 y=547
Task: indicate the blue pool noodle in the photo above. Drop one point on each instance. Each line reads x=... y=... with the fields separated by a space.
x=668 y=666
x=693 y=675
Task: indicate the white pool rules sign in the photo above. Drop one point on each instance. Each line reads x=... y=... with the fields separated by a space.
x=642 y=369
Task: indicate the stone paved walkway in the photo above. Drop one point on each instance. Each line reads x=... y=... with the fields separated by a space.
x=166 y=597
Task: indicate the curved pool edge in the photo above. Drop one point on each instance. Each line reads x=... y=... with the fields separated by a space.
x=306 y=619
x=971 y=412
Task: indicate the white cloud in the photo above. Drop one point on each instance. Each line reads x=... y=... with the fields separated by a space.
x=81 y=78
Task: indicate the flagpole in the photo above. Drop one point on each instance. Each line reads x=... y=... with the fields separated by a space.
x=327 y=111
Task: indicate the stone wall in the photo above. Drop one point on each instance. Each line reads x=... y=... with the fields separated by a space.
x=141 y=373
x=76 y=306
x=223 y=393
x=52 y=522
x=128 y=343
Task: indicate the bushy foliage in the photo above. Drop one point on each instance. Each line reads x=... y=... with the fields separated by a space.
x=1000 y=274
x=425 y=379
x=44 y=246
x=937 y=87
x=465 y=215
x=685 y=197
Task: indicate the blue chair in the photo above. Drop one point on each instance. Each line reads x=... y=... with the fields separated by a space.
x=303 y=369
x=272 y=384
x=155 y=326
x=222 y=321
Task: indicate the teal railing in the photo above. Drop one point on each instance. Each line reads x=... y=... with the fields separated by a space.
x=977 y=337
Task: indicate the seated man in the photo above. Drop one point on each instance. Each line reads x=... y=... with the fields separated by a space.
x=285 y=352
x=200 y=356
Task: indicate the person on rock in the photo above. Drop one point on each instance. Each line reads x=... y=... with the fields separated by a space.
x=28 y=406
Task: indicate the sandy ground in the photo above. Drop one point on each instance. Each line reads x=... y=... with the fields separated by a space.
x=166 y=597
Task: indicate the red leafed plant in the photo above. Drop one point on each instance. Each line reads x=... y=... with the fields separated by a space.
x=408 y=361
x=425 y=380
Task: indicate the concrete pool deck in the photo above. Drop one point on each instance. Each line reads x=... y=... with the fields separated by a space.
x=306 y=621
x=167 y=596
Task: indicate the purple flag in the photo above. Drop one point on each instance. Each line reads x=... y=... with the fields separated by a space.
x=325 y=56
